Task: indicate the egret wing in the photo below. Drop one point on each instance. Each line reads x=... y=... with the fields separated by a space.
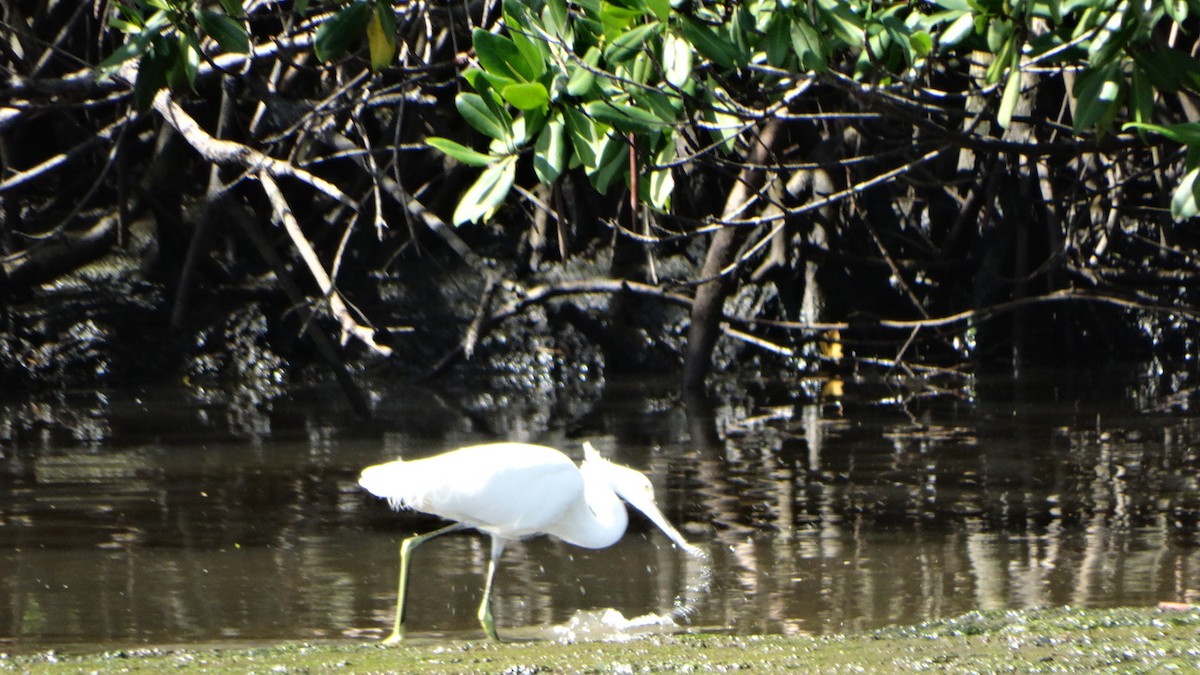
x=513 y=490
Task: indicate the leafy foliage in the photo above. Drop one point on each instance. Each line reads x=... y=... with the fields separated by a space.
x=640 y=76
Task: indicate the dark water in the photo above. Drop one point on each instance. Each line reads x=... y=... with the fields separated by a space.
x=168 y=516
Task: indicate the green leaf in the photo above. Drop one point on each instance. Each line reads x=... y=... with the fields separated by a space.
x=662 y=181
x=778 y=41
x=152 y=73
x=233 y=8
x=381 y=36
x=1096 y=94
x=1002 y=61
x=922 y=43
x=550 y=151
x=616 y=19
x=582 y=78
x=230 y=34
x=336 y=35
x=624 y=117
x=1177 y=10
x=840 y=18
x=1184 y=201
x=1187 y=133
x=958 y=30
x=487 y=194
x=722 y=124
x=807 y=45
x=461 y=152
x=583 y=134
x=554 y=16
x=631 y=42
x=612 y=163
x=660 y=8
x=1008 y=101
x=708 y=43
x=120 y=55
x=187 y=63
x=677 y=60
x=1142 y=100
x=526 y=95
x=478 y=114
x=500 y=55
x=666 y=105
x=520 y=22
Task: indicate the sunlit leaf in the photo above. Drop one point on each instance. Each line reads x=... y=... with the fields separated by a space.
x=1187 y=133
x=677 y=60
x=807 y=45
x=526 y=95
x=662 y=181
x=549 y=156
x=613 y=161
x=582 y=78
x=660 y=8
x=630 y=42
x=187 y=63
x=533 y=49
x=487 y=193
x=583 y=133
x=922 y=43
x=478 y=114
x=1008 y=101
x=841 y=19
x=1184 y=201
x=1176 y=9
x=624 y=117
x=461 y=152
x=554 y=16
x=381 y=37
x=1096 y=94
x=498 y=54
x=958 y=30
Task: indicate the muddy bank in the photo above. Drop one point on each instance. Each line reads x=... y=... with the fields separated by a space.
x=1050 y=640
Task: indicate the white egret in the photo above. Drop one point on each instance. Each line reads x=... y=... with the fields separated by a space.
x=512 y=491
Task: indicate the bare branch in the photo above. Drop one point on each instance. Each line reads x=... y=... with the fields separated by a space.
x=350 y=327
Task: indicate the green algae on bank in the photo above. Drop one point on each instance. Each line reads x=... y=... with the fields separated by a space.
x=1048 y=640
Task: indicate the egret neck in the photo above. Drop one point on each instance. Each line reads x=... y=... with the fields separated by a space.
x=600 y=519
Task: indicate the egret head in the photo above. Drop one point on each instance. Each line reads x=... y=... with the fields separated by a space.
x=636 y=490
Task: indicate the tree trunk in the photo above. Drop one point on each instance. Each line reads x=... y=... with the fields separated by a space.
x=710 y=294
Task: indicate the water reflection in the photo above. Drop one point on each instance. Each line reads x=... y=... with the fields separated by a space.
x=137 y=518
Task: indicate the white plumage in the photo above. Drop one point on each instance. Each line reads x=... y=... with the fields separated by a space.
x=512 y=491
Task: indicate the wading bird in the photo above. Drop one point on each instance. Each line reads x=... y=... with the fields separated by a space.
x=512 y=491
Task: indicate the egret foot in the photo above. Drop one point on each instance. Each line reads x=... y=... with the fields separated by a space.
x=489 y=624
x=394 y=639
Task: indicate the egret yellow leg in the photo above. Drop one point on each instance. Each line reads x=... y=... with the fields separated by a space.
x=406 y=548
x=485 y=607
